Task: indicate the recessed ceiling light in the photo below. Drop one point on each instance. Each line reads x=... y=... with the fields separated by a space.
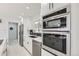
x=27 y=8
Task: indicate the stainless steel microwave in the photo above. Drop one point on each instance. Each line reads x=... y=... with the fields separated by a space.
x=59 y=20
x=57 y=43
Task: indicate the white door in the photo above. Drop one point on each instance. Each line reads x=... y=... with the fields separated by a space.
x=13 y=33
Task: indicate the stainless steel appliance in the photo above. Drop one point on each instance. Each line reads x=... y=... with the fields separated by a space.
x=57 y=43
x=58 y=20
x=21 y=28
x=56 y=31
x=36 y=51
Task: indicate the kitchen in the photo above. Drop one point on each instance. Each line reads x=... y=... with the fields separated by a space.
x=39 y=29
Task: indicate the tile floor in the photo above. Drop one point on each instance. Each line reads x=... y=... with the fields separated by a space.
x=16 y=50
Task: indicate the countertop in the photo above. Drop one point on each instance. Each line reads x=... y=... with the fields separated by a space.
x=36 y=38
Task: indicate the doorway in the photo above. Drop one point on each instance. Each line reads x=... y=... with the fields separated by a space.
x=13 y=33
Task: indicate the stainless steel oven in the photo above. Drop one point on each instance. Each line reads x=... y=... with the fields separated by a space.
x=58 y=20
x=57 y=43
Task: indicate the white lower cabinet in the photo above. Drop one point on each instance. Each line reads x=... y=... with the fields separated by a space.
x=45 y=53
x=3 y=48
x=28 y=44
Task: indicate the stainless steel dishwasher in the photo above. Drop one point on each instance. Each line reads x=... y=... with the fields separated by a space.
x=36 y=51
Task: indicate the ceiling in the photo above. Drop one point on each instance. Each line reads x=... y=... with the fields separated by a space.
x=27 y=10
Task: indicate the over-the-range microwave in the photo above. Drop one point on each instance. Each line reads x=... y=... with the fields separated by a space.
x=58 y=20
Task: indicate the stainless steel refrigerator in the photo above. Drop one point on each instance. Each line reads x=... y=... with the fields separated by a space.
x=21 y=29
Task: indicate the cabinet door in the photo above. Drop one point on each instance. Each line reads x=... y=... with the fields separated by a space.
x=58 y=5
x=44 y=8
x=45 y=53
x=25 y=42
x=29 y=43
x=4 y=48
x=48 y=7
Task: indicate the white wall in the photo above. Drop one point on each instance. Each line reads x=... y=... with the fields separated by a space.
x=4 y=26
x=9 y=13
x=75 y=29
x=27 y=25
x=15 y=20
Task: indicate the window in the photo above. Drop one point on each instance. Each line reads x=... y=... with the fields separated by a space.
x=11 y=28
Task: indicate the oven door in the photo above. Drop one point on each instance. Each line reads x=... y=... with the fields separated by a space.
x=59 y=22
x=57 y=43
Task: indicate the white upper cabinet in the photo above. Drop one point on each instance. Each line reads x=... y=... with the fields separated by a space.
x=44 y=8
x=58 y=5
x=48 y=7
